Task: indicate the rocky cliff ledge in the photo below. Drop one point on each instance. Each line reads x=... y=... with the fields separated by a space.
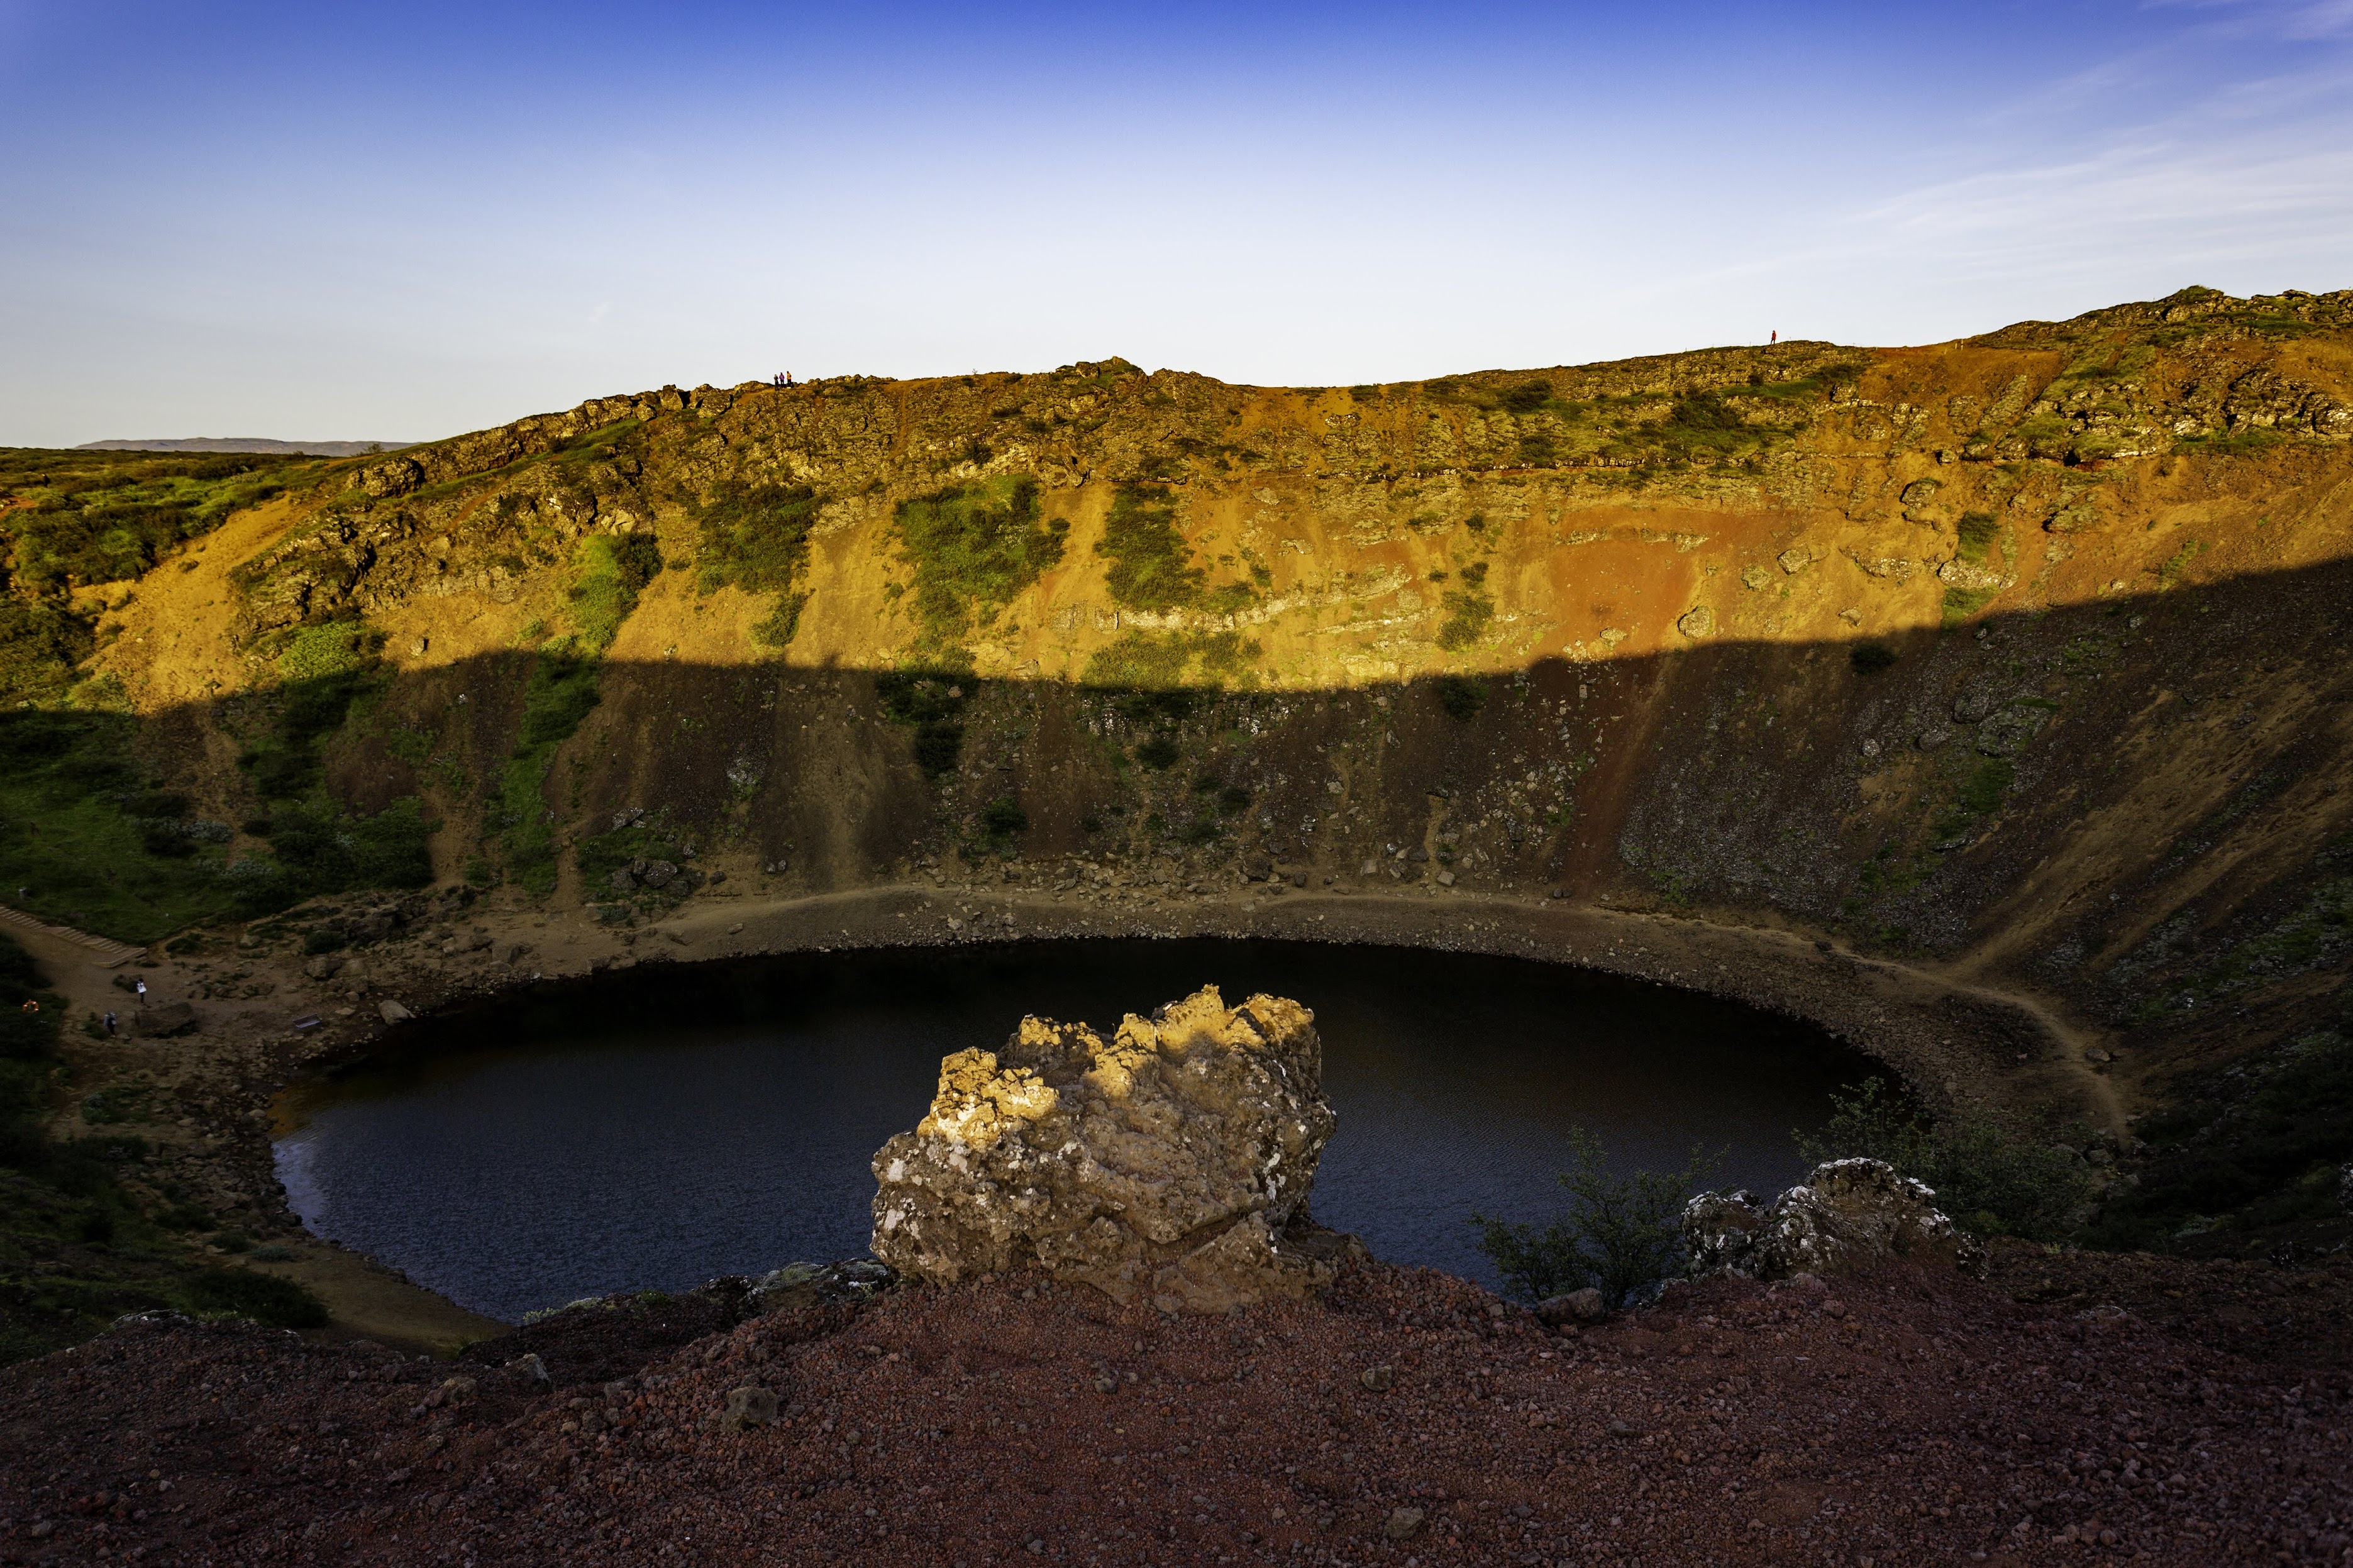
x=1172 y=1162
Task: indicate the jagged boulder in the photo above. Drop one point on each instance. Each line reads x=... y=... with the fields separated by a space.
x=1172 y=1162
x=1849 y=1215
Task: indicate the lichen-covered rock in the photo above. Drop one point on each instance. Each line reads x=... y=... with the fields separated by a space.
x=1849 y=1215
x=1168 y=1163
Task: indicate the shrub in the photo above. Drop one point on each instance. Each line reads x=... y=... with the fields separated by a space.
x=931 y=699
x=1871 y=658
x=1983 y=792
x=1618 y=1234
x=1526 y=398
x=972 y=548
x=327 y=649
x=1159 y=754
x=1978 y=530
x=40 y=644
x=558 y=697
x=1468 y=607
x=1983 y=1177
x=610 y=572
x=755 y=536
x=1705 y=411
x=1461 y=697
x=265 y=1297
x=1151 y=565
x=1002 y=818
x=1167 y=662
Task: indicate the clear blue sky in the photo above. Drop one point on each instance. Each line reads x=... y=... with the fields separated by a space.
x=401 y=221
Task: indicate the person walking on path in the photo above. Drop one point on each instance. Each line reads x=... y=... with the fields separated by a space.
x=110 y=1026
x=140 y=987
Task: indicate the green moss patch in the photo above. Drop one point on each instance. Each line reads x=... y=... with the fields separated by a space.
x=972 y=549
x=610 y=572
x=561 y=693
x=1166 y=661
x=755 y=537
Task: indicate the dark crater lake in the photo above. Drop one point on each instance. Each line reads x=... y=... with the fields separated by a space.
x=660 y=1126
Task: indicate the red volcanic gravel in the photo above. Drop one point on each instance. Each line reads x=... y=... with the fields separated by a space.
x=1903 y=1419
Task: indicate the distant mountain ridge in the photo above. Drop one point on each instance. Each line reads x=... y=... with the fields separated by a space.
x=247 y=444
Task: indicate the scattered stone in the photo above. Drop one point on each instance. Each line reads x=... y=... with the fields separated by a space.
x=1583 y=1306
x=1696 y=622
x=1934 y=736
x=815 y=1284
x=1402 y=1523
x=1795 y=561
x=2006 y=732
x=1756 y=578
x=1167 y=1163
x=1969 y=578
x=452 y=1391
x=1379 y=1379
x=1849 y=1213
x=749 y=1407
x=620 y=881
x=657 y=873
x=323 y=966
x=529 y=1371
x=394 y=1012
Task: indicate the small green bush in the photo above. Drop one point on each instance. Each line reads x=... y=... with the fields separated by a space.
x=931 y=697
x=1871 y=658
x=610 y=572
x=1618 y=1234
x=1168 y=662
x=327 y=649
x=1151 y=565
x=265 y=1297
x=1461 y=697
x=1159 y=754
x=972 y=548
x=1525 y=398
x=1986 y=1179
x=1979 y=530
x=1987 y=785
x=1468 y=608
x=1002 y=818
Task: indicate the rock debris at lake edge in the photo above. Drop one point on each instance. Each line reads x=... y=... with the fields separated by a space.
x=1906 y=1417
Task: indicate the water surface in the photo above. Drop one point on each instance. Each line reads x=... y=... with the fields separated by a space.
x=670 y=1123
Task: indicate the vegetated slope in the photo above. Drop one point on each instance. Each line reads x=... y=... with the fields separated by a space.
x=2023 y=653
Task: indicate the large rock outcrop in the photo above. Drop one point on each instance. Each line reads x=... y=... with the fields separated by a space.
x=1171 y=1162
x=1849 y=1215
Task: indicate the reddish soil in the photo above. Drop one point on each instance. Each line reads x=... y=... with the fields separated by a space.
x=1905 y=1418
